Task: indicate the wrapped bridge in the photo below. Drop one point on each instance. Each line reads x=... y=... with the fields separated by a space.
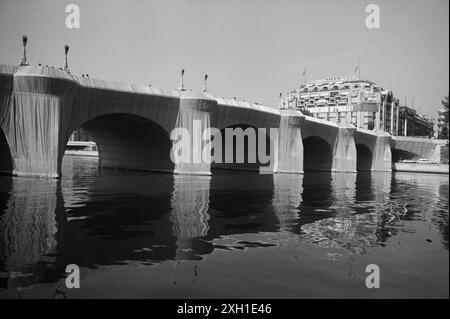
x=40 y=107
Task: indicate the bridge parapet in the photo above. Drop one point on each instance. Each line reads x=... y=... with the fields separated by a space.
x=6 y=69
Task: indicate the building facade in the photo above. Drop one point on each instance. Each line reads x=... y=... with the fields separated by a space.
x=413 y=124
x=361 y=103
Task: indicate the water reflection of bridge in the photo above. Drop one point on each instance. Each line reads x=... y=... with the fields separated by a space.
x=45 y=226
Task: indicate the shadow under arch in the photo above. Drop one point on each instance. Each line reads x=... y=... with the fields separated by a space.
x=399 y=155
x=250 y=160
x=130 y=142
x=6 y=162
x=318 y=155
x=363 y=158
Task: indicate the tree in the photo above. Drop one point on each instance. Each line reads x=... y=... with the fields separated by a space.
x=443 y=119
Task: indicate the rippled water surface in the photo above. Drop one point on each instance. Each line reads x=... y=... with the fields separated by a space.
x=231 y=235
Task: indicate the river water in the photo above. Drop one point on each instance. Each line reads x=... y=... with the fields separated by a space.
x=231 y=235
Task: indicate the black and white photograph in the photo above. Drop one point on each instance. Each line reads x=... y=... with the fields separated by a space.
x=224 y=155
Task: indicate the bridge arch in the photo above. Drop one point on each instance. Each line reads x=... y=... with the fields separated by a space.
x=328 y=146
x=130 y=141
x=318 y=154
x=364 y=157
x=6 y=162
x=413 y=148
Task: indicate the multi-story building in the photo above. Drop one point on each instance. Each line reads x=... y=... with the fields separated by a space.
x=413 y=124
x=359 y=102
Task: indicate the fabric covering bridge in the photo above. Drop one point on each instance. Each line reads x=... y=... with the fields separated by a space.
x=40 y=107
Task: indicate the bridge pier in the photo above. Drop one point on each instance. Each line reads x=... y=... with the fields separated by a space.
x=30 y=120
x=344 y=150
x=288 y=147
x=382 y=156
x=195 y=117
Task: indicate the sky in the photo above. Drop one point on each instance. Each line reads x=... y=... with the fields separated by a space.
x=250 y=49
